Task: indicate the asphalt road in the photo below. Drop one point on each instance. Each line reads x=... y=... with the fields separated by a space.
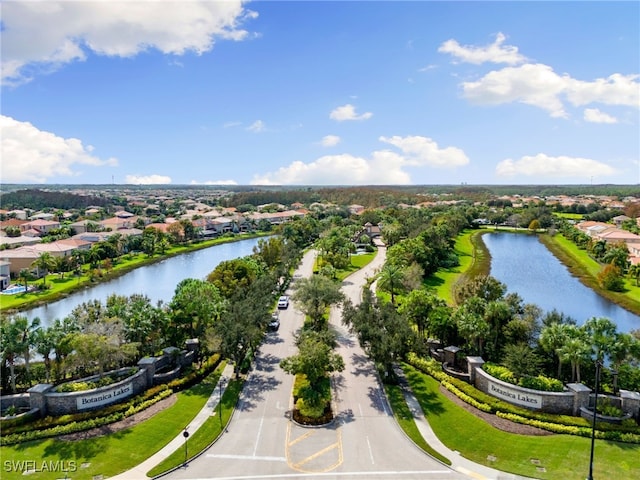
x=364 y=441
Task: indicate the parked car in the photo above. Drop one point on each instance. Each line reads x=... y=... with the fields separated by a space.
x=274 y=324
x=283 y=302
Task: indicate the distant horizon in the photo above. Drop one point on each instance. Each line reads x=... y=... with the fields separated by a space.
x=320 y=93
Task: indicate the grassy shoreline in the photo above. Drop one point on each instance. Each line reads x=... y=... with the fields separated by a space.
x=62 y=287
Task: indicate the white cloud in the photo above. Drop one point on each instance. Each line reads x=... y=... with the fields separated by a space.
x=147 y=179
x=423 y=151
x=616 y=89
x=47 y=35
x=231 y=124
x=214 y=182
x=540 y=86
x=533 y=84
x=30 y=155
x=330 y=140
x=542 y=165
x=384 y=167
x=494 y=53
x=257 y=126
x=596 y=116
x=348 y=112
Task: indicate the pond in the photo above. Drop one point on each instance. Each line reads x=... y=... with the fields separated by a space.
x=529 y=269
x=157 y=281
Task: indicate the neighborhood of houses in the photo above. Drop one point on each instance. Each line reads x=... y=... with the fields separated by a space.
x=18 y=252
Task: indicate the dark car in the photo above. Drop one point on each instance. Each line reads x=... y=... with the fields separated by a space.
x=274 y=324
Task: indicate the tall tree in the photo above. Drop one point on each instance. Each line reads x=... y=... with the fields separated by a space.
x=44 y=263
x=314 y=295
x=390 y=279
x=384 y=334
x=196 y=305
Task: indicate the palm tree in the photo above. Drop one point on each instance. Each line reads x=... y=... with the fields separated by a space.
x=575 y=350
x=44 y=263
x=25 y=276
x=10 y=346
x=552 y=338
x=390 y=279
x=27 y=331
x=44 y=342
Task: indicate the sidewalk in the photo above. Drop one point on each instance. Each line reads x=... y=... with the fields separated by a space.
x=140 y=471
x=458 y=462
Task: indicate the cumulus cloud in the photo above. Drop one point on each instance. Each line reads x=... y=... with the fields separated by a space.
x=596 y=116
x=348 y=112
x=384 y=167
x=540 y=86
x=423 y=151
x=542 y=165
x=330 y=140
x=30 y=155
x=257 y=126
x=41 y=36
x=494 y=53
x=214 y=182
x=147 y=179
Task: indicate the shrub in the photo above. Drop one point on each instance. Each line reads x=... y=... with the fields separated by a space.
x=500 y=372
x=542 y=383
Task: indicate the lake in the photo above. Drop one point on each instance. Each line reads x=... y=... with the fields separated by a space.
x=157 y=281
x=529 y=269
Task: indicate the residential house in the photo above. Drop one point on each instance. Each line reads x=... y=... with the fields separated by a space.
x=41 y=227
x=5 y=274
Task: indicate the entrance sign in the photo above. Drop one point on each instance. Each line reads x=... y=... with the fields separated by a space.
x=517 y=397
x=105 y=397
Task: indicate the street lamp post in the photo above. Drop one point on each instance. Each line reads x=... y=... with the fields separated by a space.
x=185 y=434
x=221 y=384
x=593 y=424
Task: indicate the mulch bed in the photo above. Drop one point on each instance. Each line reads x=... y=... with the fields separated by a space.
x=495 y=421
x=128 y=422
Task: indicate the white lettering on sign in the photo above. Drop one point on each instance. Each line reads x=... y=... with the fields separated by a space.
x=105 y=397
x=514 y=396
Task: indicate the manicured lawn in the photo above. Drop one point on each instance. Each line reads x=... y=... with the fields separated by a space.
x=206 y=434
x=444 y=280
x=405 y=419
x=562 y=456
x=113 y=454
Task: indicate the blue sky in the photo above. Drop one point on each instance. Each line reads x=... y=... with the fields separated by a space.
x=320 y=93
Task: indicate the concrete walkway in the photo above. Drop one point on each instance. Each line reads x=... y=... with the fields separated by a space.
x=139 y=472
x=458 y=462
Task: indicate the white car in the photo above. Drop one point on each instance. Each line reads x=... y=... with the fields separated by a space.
x=283 y=302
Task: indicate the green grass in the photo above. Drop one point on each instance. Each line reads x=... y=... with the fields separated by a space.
x=115 y=453
x=206 y=434
x=562 y=456
x=403 y=416
x=586 y=269
x=473 y=259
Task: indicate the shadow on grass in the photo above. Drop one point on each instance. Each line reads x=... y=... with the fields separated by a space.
x=433 y=281
x=429 y=401
x=82 y=450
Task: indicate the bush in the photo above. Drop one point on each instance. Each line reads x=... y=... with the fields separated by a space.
x=542 y=383
x=500 y=372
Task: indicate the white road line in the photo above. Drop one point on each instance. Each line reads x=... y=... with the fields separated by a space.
x=392 y=474
x=255 y=449
x=247 y=457
x=370 y=451
x=360 y=408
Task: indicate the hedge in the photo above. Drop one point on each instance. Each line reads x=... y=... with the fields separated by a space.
x=554 y=423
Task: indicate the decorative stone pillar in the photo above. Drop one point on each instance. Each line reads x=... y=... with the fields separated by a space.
x=630 y=403
x=472 y=364
x=148 y=364
x=450 y=355
x=580 y=396
x=37 y=398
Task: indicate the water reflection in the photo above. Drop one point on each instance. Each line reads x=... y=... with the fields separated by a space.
x=157 y=281
x=528 y=268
